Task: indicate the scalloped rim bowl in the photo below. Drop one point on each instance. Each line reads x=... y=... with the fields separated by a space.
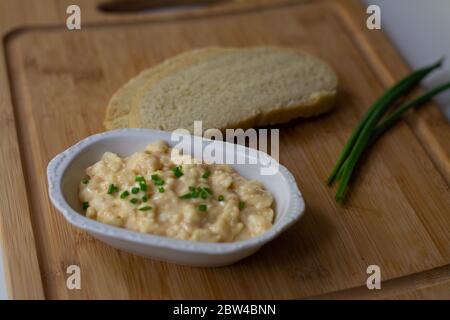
x=66 y=169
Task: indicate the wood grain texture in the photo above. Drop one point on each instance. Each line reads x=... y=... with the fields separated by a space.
x=397 y=217
x=430 y=284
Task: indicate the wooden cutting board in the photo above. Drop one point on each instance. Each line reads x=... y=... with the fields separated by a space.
x=55 y=84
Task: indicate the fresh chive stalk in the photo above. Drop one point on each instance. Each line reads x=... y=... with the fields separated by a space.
x=378 y=109
x=396 y=114
x=352 y=160
x=372 y=130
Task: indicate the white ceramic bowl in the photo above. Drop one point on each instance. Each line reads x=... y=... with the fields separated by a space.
x=66 y=169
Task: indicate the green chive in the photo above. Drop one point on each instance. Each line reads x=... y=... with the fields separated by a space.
x=143 y=186
x=349 y=165
x=147 y=208
x=395 y=115
x=178 y=171
x=203 y=194
x=134 y=200
x=134 y=190
x=161 y=189
x=206 y=174
x=157 y=180
x=241 y=205
x=202 y=207
x=378 y=109
x=221 y=198
x=85 y=181
x=124 y=194
x=140 y=179
x=195 y=193
x=186 y=196
x=144 y=199
x=112 y=188
x=369 y=127
x=85 y=205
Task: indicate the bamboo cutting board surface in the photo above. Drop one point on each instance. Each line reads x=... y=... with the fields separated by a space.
x=397 y=215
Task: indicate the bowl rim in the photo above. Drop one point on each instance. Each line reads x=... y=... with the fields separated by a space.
x=57 y=168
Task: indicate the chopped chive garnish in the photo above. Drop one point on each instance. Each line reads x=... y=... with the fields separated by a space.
x=147 y=208
x=134 y=200
x=143 y=186
x=202 y=207
x=221 y=198
x=134 y=190
x=124 y=194
x=85 y=181
x=241 y=205
x=178 y=171
x=112 y=188
x=206 y=174
x=140 y=179
x=186 y=196
x=194 y=193
x=85 y=205
x=161 y=189
x=144 y=199
x=157 y=180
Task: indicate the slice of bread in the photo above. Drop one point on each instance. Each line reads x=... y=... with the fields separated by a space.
x=232 y=88
x=120 y=104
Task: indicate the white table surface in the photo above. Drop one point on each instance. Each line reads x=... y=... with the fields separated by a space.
x=418 y=28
